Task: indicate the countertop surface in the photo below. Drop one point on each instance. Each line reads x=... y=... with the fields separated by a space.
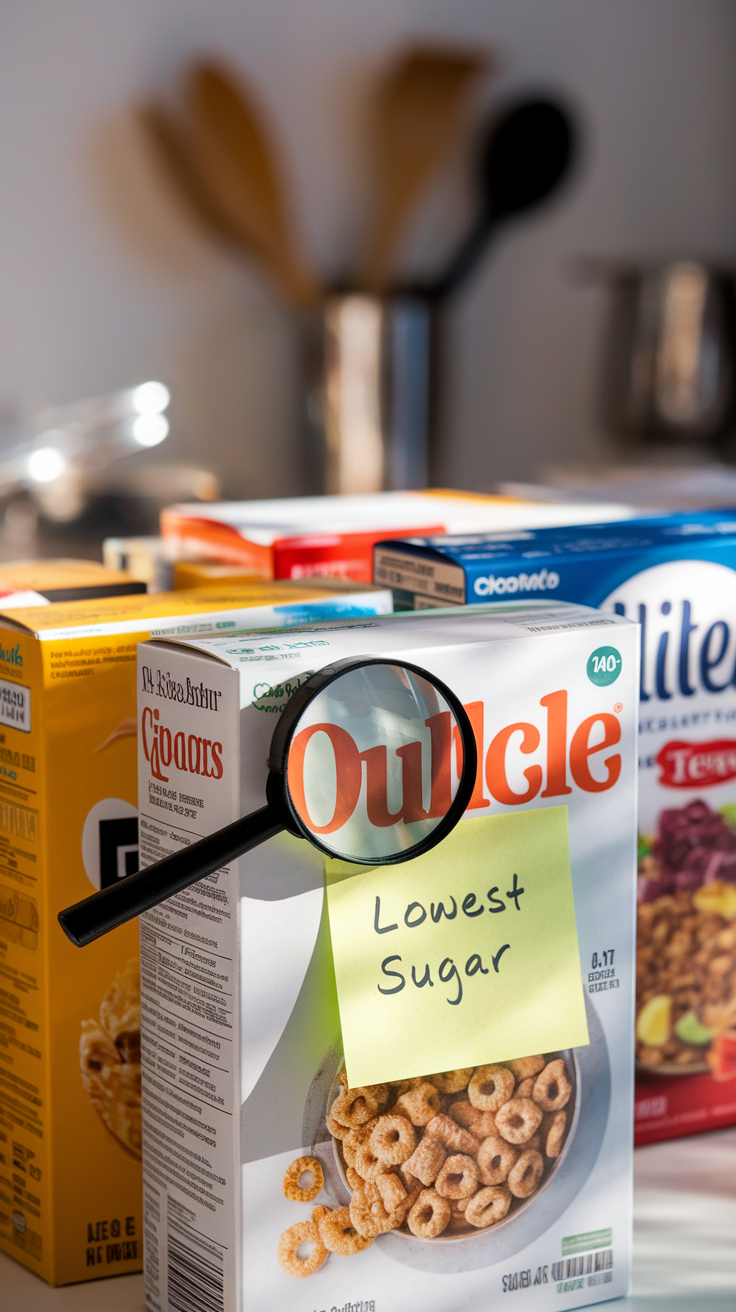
x=684 y=1240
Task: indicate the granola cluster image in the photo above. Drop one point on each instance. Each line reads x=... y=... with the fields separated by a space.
x=450 y=1153
x=686 y=948
x=110 y=1058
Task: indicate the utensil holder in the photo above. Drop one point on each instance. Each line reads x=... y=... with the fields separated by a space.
x=367 y=372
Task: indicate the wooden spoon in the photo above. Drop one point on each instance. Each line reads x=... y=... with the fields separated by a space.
x=233 y=155
x=418 y=113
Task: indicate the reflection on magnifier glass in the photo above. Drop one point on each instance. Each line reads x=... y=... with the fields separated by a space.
x=372 y=760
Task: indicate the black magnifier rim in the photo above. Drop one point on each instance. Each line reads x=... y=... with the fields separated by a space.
x=277 y=789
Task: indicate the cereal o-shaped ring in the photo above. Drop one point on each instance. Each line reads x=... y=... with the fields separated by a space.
x=488 y=1206
x=430 y=1215
x=293 y=1189
x=352 y=1139
x=304 y=1232
x=337 y=1130
x=366 y=1163
x=338 y=1234
x=495 y=1159
x=354 y=1107
x=525 y=1175
x=491 y=1087
x=458 y=1177
x=392 y=1139
x=518 y=1119
x=451 y=1081
x=523 y=1067
x=380 y=1092
x=350 y=1147
x=552 y=1088
x=556 y=1134
x=525 y=1088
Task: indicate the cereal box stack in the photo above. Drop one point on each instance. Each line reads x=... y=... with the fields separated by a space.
x=70 y=1119
x=403 y=1086
x=677 y=577
x=306 y=537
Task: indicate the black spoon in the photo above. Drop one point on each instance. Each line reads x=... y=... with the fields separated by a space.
x=524 y=157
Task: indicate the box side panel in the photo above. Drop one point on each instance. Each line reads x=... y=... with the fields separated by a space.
x=26 y=1221
x=424 y=574
x=90 y=836
x=189 y=786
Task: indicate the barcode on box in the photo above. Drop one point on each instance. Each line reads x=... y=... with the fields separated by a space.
x=195 y=1281
x=583 y=1265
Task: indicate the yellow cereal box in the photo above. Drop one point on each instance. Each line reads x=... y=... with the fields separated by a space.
x=35 y=582
x=70 y=1120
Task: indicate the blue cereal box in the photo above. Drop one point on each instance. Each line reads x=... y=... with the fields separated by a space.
x=675 y=576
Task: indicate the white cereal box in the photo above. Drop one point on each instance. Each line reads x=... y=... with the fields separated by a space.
x=493 y=1155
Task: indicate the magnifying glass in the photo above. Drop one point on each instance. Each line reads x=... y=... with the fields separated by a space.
x=371 y=760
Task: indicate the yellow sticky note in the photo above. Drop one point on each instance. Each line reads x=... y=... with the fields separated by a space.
x=464 y=956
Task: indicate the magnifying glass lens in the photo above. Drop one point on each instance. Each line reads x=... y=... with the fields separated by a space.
x=374 y=763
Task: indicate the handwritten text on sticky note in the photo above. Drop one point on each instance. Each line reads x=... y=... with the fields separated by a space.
x=463 y=956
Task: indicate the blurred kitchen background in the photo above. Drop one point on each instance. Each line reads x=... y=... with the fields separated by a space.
x=107 y=281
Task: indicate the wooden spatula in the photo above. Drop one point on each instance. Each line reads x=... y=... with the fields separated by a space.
x=174 y=151
x=174 y=154
x=235 y=158
x=418 y=114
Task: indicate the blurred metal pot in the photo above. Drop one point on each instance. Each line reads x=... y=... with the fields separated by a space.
x=671 y=357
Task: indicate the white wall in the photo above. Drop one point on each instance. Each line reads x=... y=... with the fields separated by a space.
x=102 y=282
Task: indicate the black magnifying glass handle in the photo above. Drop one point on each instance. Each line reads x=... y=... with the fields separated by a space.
x=113 y=906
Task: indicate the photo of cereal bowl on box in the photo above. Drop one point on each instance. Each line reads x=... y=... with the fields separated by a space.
x=686 y=951
x=453 y=1170
x=455 y=1152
